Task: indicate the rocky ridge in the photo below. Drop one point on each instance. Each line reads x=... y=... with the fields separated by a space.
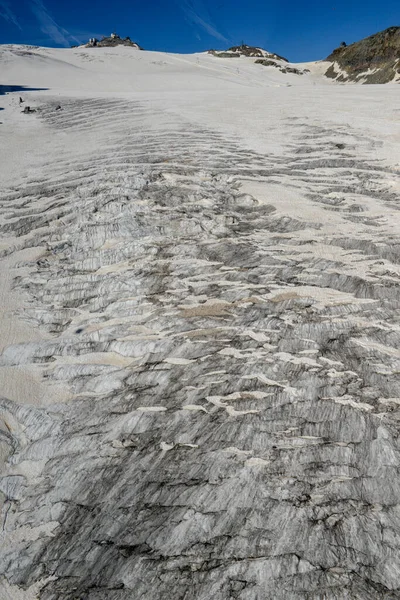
x=245 y=50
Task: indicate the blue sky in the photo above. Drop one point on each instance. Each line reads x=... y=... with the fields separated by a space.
x=299 y=30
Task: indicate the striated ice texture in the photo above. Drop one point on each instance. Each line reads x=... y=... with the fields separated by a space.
x=226 y=323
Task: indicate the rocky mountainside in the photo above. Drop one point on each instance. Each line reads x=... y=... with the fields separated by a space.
x=375 y=59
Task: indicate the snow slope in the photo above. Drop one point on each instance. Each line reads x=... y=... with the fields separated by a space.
x=199 y=329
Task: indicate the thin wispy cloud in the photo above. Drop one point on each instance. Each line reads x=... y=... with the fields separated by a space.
x=197 y=13
x=58 y=34
x=7 y=14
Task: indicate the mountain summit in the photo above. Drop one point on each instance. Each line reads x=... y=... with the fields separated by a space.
x=111 y=41
x=375 y=59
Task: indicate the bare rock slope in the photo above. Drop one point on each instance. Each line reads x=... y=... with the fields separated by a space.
x=375 y=59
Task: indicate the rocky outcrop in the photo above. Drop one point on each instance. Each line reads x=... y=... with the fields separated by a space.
x=375 y=59
x=245 y=50
x=112 y=41
x=266 y=62
x=222 y=54
x=250 y=51
x=267 y=59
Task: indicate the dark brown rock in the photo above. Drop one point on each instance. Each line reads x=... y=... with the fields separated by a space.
x=378 y=53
